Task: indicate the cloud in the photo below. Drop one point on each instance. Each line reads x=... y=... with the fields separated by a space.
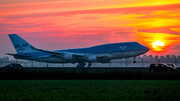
x=176 y=29
x=160 y=30
x=74 y=23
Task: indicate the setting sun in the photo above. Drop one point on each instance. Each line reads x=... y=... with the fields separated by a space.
x=158 y=45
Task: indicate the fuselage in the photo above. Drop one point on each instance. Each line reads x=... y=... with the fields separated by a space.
x=104 y=53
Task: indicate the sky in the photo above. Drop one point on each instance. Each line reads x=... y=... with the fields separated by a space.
x=67 y=24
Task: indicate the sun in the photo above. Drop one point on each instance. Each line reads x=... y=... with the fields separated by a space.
x=158 y=45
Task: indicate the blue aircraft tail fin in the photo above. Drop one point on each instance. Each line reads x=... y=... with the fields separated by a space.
x=20 y=45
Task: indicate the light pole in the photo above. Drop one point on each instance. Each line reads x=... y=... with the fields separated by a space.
x=1 y=62
x=32 y=63
x=94 y=62
x=47 y=62
x=63 y=63
x=110 y=64
x=126 y=63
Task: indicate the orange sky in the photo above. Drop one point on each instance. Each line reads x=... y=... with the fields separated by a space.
x=62 y=24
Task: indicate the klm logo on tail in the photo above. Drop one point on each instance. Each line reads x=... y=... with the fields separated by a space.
x=21 y=45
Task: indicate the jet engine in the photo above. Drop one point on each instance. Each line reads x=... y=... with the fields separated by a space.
x=105 y=61
x=68 y=56
x=92 y=58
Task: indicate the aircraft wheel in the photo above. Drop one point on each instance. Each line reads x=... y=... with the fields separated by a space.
x=89 y=65
x=81 y=65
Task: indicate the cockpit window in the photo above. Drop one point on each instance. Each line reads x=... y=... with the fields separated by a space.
x=135 y=43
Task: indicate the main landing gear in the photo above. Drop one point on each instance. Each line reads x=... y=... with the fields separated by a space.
x=82 y=64
x=134 y=60
x=89 y=64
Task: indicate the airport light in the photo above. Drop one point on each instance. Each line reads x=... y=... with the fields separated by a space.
x=175 y=60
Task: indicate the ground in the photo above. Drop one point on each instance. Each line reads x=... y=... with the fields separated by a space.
x=87 y=90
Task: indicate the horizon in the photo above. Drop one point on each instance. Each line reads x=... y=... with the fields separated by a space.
x=56 y=24
x=143 y=56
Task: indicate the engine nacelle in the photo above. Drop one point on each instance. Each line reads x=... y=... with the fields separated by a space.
x=92 y=58
x=105 y=61
x=68 y=56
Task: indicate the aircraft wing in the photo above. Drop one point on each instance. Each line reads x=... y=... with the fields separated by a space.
x=102 y=56
x=46 y=51
x=59 y=53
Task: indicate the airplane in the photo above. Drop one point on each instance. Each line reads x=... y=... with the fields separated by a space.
x=100 y=53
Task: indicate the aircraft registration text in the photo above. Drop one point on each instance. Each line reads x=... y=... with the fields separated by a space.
x=123 y=47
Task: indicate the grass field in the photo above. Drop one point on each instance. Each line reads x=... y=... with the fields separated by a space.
x=87 y=90
x=87 y=75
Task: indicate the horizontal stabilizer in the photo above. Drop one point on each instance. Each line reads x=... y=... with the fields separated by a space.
x=18 y=55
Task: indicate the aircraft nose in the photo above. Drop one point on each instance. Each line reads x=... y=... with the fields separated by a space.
x=146 y=48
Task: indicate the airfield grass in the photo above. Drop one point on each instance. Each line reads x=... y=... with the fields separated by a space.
x=87 y=90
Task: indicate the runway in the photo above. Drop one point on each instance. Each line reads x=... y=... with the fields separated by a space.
x=91 y=68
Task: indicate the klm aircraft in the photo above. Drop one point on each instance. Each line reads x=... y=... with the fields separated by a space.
x=101 y=53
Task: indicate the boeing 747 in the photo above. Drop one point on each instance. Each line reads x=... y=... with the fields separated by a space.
x=100 y=53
